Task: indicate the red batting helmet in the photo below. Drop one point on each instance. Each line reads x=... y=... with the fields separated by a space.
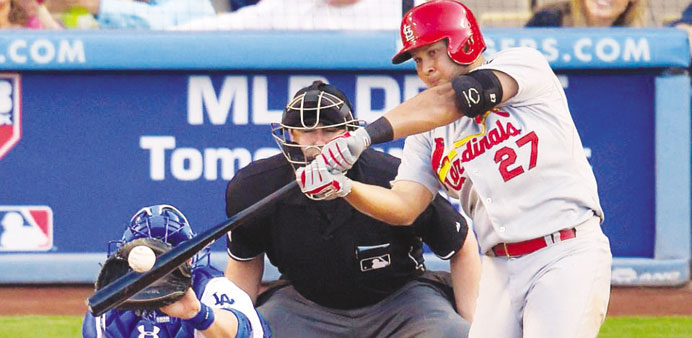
x=433 y=21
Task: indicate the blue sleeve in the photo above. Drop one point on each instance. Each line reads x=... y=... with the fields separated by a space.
x=244 y=326
x=187 y=330
x=113 y=323
x=89 y=326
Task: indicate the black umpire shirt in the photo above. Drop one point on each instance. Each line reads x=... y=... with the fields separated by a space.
x=333 y=254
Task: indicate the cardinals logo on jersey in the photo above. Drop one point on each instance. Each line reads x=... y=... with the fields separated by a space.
x=10 y=112
x=26 y=228
x=448 y=165
x=453 y=179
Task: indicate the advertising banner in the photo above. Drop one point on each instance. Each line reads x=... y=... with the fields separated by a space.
x=98 y=146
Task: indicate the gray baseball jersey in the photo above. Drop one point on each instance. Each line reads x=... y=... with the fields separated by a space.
x=519 y=171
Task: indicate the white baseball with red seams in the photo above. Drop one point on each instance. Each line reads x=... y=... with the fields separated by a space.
x=519 y=172
x=141 y=258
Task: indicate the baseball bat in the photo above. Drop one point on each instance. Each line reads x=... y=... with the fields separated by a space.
x=132 y=282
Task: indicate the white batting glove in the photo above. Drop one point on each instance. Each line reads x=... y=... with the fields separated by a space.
x=318 y=183
x=341 y=152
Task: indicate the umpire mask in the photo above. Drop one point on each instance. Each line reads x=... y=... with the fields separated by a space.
x=318 y=106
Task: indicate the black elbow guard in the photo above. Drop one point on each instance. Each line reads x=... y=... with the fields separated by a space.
x=477 y=92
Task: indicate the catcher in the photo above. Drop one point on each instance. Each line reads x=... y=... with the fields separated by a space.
x=195 y=300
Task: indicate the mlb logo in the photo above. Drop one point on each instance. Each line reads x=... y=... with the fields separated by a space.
x=375 y=263
x=10 y=112
x=26 y=228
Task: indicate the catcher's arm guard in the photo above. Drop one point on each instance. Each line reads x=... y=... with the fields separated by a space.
x=162 y=292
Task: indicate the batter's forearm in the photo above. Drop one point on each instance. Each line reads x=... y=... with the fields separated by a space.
x=386 y=205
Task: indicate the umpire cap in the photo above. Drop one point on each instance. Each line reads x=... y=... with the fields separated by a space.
x=316 y=104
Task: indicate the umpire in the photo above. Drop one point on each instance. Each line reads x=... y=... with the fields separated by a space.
x=343 y=273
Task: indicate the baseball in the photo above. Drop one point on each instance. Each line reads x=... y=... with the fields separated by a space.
x=141 y=258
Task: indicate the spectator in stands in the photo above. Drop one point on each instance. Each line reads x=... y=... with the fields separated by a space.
x=225 y=6
x=138 y=14
x=30 y=14
x=593 y=13
x=306 y=15
x=235 y=5
x=685 y=23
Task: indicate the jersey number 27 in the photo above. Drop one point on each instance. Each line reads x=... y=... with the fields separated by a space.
x=507 y=156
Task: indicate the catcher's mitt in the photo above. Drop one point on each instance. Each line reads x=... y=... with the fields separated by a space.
x=162 y=292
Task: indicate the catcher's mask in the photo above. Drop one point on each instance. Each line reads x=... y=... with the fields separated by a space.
x=318 y=106
x=163 y=222
x=433 y=21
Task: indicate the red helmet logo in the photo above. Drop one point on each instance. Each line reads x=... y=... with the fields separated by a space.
x=407 y=33
x=436 y=20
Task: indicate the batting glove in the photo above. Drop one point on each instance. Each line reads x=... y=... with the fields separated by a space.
x=318 y=183
x=341 y=152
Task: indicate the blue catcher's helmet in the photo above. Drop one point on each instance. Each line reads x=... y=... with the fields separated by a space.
x=163 y=222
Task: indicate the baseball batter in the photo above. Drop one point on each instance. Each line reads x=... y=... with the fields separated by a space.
x=497 y=134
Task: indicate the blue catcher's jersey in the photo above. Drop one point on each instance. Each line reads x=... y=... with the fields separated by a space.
x=210 y=286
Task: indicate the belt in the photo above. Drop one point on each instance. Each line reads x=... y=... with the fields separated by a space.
x=531 y=245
